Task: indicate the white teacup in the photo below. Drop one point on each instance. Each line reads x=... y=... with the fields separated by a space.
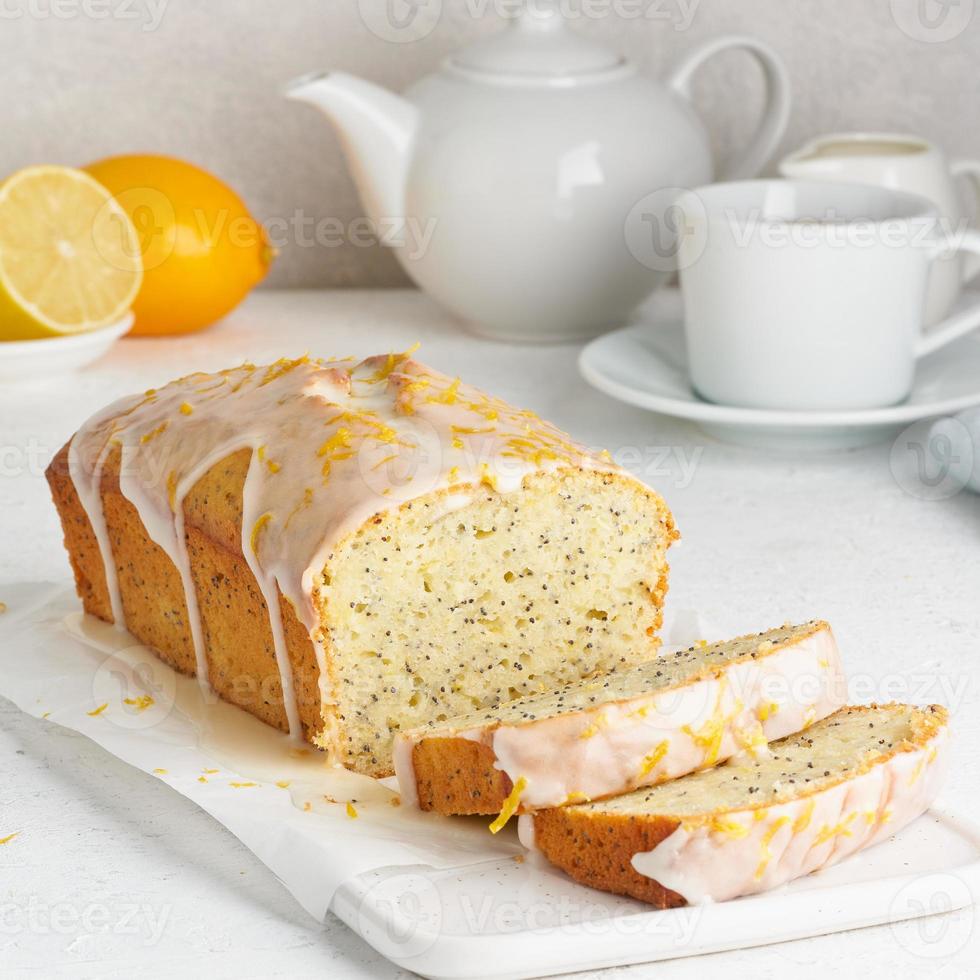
x=809 y=295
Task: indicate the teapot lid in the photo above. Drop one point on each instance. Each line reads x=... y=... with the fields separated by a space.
x=538 y=45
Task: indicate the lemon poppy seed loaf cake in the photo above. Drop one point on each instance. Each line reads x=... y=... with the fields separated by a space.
x=348 y=548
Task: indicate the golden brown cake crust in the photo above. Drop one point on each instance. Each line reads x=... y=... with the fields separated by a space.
x=457 y=776
x=241 y=658
x=80 y=542
x=598 y=851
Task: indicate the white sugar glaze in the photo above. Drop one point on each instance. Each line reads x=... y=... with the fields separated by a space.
x=333 y=443
x=618 y=746
x=706 y=862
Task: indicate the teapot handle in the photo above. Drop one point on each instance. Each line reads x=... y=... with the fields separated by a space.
x=776 y=115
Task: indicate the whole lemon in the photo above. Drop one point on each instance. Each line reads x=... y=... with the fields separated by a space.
x=202 y=250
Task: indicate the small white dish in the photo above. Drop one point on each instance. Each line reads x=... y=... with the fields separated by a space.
x=646 y=365
x=39 y=360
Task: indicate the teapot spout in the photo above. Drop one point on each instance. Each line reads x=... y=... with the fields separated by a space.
x=376 y=129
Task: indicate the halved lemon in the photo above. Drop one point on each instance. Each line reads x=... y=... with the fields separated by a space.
x=69 y=255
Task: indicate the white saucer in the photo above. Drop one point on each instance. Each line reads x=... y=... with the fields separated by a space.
x=38 y=360
x=646 y=365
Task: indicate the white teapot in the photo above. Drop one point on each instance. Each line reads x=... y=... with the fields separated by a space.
x=505 y=181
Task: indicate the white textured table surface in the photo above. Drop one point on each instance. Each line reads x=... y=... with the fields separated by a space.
x=113 y=875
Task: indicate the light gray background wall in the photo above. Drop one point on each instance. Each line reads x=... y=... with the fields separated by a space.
x=199 y=78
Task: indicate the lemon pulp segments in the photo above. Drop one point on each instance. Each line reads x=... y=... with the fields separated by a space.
x=69 y=255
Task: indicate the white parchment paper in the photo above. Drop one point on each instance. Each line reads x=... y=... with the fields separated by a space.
x=278 y=798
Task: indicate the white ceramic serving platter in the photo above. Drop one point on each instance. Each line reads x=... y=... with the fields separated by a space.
x=26 y=361
x=645 y=364
x=500 y=920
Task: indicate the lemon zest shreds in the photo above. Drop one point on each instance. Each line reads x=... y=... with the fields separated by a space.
x=153 y=433
x=283 y=366
x=336 y=448
x=8 y=838
x=917 y=771
x=729 y=827
x=257 y=530
x=140 y=703
x=777 y=824
x=447 y=396
x=709 y=736
x=767 y=710
x=841 y=829
x=510 y=806
x=242 y=785
x=98 y=711
x=653 y=759
x=803 y=820
x=351 y=811
x=305 y=502
x=487 y=478
x=392 y=362
x=271 y=464
x=598 y=723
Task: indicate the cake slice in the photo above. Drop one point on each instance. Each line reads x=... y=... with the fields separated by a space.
x=846 y=783
x=636 y=726
x=351 y=548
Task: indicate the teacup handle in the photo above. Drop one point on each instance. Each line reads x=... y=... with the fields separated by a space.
x=971 y=170
x=776 y=114
x=959 y=324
